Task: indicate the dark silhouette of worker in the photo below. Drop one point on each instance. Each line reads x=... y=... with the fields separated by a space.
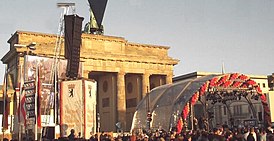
x=79 y=135
x=195 y=123
x=71 y=135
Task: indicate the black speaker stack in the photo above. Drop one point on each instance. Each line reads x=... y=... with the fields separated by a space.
x=73 y=32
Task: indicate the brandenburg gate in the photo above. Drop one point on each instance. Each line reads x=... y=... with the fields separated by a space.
x=124 y=71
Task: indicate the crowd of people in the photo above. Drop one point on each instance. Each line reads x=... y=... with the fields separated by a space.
x=221 y=133
x=216 y=134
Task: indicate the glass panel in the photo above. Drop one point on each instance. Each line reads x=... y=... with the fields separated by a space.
x=166 y=103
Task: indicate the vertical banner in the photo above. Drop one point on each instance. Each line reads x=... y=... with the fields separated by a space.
x=71 y=107
x=30 y=91
x=90 y=107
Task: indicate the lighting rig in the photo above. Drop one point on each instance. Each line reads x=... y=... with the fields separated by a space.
x=224 y=94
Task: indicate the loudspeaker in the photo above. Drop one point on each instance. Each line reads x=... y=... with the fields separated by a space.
x=98 y=8
x=48 y=133
x=73 y=32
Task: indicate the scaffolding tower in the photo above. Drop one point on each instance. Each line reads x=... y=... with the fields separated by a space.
x=68 y=8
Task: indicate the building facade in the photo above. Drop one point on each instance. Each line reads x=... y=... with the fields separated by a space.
x=10 y=109
x=271 y=95
x=124 y=71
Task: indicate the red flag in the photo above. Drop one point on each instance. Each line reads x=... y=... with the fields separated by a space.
x=179 y=125
x=23 y=109
x=5 y=119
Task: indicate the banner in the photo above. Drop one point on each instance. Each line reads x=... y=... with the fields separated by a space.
x=46 y=77
x=78 y=107
x=71 y=107
x=30 y=90
x=90 y=107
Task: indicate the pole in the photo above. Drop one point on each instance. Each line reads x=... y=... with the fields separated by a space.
x=148 y=110
x=4 y=102
x=20 y=94
x=36 y=110
x=11 y=112
x=82 y=113
x=98 y=119
x=93 y=118
x=191 y=116
x=26 y=79
x=55 y=97
x=57 y=51
x=22 y=80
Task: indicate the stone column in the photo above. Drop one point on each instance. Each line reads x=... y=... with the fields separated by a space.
x=146 y=84
x=169 y=78
x=121 y=100
x=85 y=74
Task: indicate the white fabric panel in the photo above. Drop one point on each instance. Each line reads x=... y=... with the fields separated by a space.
x=90 y=107
x=71 y=107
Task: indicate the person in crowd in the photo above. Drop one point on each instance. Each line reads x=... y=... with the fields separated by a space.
x=203 y=136
x=245 y=132
x=229 y=136
x=71 y=136
x=195 y=123
x=250 y=136
x=93 y=137
x=215 y=136
x=269 y=135
x=262 y=135
x=103 y=136
x=252 y=131
x=237 y=135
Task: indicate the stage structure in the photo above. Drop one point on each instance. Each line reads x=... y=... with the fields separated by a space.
x=78 y=107
x=171 y=106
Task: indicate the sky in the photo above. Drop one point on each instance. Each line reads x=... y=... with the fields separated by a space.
x=202 y=34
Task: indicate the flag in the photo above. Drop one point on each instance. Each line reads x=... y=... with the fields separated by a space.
x=21 y=110
x=6 y=106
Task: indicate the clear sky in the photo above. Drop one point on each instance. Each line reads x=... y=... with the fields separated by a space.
x=202 y=34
